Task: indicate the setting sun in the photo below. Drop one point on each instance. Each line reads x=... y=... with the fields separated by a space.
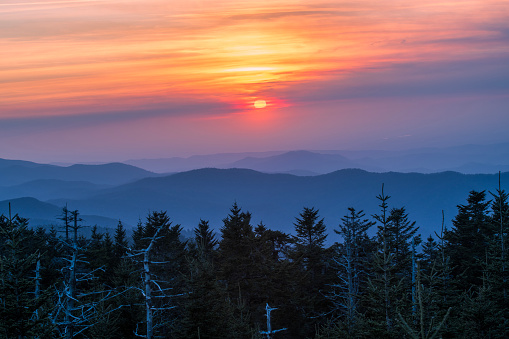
x=260 y=104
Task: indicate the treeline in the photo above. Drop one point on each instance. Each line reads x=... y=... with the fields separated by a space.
x=254 y=282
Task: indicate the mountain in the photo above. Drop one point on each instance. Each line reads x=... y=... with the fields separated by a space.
x=297 y=161
x=180 y=164
x=468 y=159
x=276 y=199
x=45 y=214
x=46 y=189
x=15 y=172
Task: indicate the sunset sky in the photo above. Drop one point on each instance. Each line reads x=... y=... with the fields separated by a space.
x=115 y=80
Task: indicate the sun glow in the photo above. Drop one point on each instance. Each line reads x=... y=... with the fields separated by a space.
x=260 y=104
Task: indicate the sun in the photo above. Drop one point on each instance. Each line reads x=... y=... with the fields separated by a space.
x=260 y=104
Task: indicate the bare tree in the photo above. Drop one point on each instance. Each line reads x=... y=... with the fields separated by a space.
x=76 y=309
x=154 y=289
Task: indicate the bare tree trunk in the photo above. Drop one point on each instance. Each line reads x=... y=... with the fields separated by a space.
x=148 y=288
x=502 y=245
x=69 y=330
x=148 y=293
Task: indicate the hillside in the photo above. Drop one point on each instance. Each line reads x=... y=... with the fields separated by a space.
x=467 y=159
x=45 y=214
x=15 y=172
x=276 y=199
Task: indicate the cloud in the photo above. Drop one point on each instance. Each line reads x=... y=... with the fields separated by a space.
x=488 y=76
x=48 y=123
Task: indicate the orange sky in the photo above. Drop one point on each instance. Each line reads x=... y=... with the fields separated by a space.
x=160 y=78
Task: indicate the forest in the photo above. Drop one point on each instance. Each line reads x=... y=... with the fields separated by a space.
x=377 y=278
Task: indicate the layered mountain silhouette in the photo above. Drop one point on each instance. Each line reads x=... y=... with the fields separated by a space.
x=467 y=159
x=43 y=214
x=273 y=199
x=15 y=172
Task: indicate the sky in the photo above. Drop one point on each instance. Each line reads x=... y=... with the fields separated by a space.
x=106 y=80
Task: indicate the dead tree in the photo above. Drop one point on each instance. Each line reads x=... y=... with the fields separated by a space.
x=77 y=310
x=270 y=331
x=153 y=288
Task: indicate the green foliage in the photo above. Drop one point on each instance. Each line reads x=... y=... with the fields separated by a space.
x=467 y=240
x=360 y=287
x=350 y=261
x=205 y=239
x=23 y=306
x=310 y=239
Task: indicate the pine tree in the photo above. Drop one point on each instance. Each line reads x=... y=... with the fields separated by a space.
x=23 y=312
x=350 y=261
x=500 y=225
x=205 y=239
x=390 y=285
x=120 y=243
x=309 y=242
x=382 y=283
x=466 y=242
x=161 y=253
x=235 y=255
x=235 y=248
x=207 y=311
x=400 y=234
x=310 y=255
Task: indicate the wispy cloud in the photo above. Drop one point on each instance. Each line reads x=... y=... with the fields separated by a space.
x=73 y=62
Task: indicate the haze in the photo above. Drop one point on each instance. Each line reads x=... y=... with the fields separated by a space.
x=116 y=80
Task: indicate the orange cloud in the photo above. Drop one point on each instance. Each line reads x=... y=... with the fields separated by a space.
x=79 y=54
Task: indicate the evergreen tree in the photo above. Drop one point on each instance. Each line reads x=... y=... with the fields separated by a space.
x=383 y=283
x=276 y=282
x=350 y=261
x=309 y=242
x=23 y=312
x=500 y=225
x=400 y=233
x=390 y=285
x=466 y=242
x=205 y=239
x=310 y=255
x=138 y=235
x=235 y=255
x=162 y=255
x=430 y=254
x=121 y=243
x=207 y=311
x=235 y=248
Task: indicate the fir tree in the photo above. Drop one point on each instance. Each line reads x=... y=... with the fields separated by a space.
x=466 y=242
x=205 y=239
x=309 y=242
x=22 y=306
x=121 y=243
x=310 y=254
x=350 y=261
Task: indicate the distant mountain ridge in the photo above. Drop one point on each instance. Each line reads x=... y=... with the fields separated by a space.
x=15 y=172
x=46 y=189
x=276 y=199
x=41 y=213
x=294 y=161
x=258 y=182
x=467 y=159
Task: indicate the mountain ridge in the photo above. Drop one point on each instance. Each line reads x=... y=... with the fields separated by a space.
x=489 y=160
x=15 y=172
x=276 y=199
